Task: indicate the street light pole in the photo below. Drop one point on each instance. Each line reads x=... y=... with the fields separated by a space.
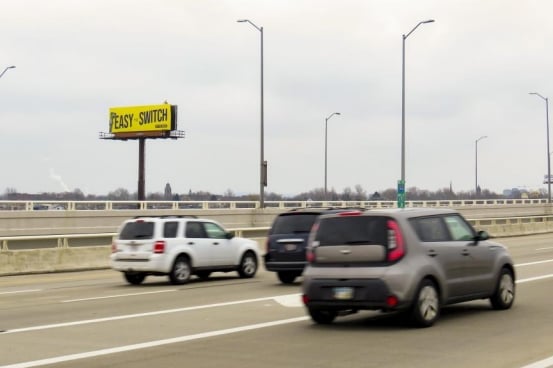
x=6 y=69
x=326 y=150
x=401 y=196
x=548 y=154
x=262 y=163
x=476 y=165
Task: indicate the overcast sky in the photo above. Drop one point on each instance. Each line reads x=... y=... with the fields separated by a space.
x=468 y=75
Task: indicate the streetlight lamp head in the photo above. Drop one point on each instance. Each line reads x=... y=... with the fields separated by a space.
x=429 y=21
x=337 y=113
x=11 y=67
x=242 y=20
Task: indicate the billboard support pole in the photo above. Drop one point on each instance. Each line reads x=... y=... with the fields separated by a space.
x=141 y=171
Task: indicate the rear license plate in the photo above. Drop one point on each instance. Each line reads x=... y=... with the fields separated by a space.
x=290 y=247
x=343 y=293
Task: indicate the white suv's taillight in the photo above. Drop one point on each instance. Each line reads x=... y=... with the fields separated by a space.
x=396 y=245
x=159 y=247
x=113 y=248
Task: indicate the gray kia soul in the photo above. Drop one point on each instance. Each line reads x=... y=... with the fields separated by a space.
x=411 y=260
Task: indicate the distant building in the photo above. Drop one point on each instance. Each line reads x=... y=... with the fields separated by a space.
x=168 y=192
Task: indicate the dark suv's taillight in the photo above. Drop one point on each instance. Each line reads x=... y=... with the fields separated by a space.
x=396 y=244
x=159 y=247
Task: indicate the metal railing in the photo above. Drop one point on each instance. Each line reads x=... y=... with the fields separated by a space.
x=6 y=205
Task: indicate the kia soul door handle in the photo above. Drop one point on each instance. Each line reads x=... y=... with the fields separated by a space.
x=432 y=253
x=465 y=252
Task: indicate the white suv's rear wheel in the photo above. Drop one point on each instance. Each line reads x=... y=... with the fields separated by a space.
x=181 y=271
x=248 y=265
x=135 y=278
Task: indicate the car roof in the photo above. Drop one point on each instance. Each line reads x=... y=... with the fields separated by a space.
x=320 y=210
x=405 y=212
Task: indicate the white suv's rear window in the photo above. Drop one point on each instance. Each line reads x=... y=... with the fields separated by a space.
x=137 y=230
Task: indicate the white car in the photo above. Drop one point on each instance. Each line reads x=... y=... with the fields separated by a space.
x=179 y=247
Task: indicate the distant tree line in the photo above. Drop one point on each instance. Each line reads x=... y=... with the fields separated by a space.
x=358 y=193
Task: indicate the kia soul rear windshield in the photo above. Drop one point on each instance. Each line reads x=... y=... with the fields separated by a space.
x=137 y=230
x=361 y=230
x=294 y=223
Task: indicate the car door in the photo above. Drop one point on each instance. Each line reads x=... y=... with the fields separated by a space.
x=198 y=244
x=478 y=257
x=223 y=250
x=445 y=255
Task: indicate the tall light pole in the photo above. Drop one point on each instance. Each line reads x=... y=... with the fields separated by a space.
x=476 y=165
x=401 y=184
x=262 y=163
x=548 y=154
x=326 y=145
x=6 y=69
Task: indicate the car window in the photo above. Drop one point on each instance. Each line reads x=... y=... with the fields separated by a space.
x=137 y=230
x=214 y=231
x=361 y=230
x=195 y=230
x=430 y=229
x=294 y=223
x=459 y=228
x=170 y=229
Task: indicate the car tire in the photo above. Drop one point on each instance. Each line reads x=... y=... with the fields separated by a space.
x=204 y=275
x=134 y=278
x=287 y=277
x=425 y=310
x=181 y=271
x=504 y=294
x=248 y=265
x=322 y=317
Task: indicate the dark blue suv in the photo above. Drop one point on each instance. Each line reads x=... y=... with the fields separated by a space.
x=287 y=240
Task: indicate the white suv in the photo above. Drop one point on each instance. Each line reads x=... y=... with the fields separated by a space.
x=180 y=246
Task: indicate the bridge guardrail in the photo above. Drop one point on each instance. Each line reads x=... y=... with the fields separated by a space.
x=39 y=205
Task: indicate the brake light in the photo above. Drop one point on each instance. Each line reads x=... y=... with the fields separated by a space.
x=350 y=213
x=113 y=247
x=159 y=247
x=305 y=299
x=310 y=255
x=392 y=301
x=396 y=245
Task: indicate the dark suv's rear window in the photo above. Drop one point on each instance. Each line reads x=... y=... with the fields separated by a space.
x=137 y=230
x=352 y=230
x=296 y=223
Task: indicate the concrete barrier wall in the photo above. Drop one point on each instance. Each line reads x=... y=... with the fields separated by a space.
x=94 y=254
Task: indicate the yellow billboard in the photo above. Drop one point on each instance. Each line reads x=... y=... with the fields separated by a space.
x=134 y=119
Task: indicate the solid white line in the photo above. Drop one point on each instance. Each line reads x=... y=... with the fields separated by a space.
x=534 y=278
x=546 y=248
x=548 y=362
x=20 y=291
x=120 y=349
x=138 y=315
x=117 y=296
x=533 y=263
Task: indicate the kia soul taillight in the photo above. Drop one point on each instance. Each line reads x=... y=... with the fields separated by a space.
x=396 y=244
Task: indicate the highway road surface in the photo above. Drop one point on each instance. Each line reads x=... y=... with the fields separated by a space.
x=94 y=319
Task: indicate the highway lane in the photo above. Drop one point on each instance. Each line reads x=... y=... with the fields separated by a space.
x=233 y=322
